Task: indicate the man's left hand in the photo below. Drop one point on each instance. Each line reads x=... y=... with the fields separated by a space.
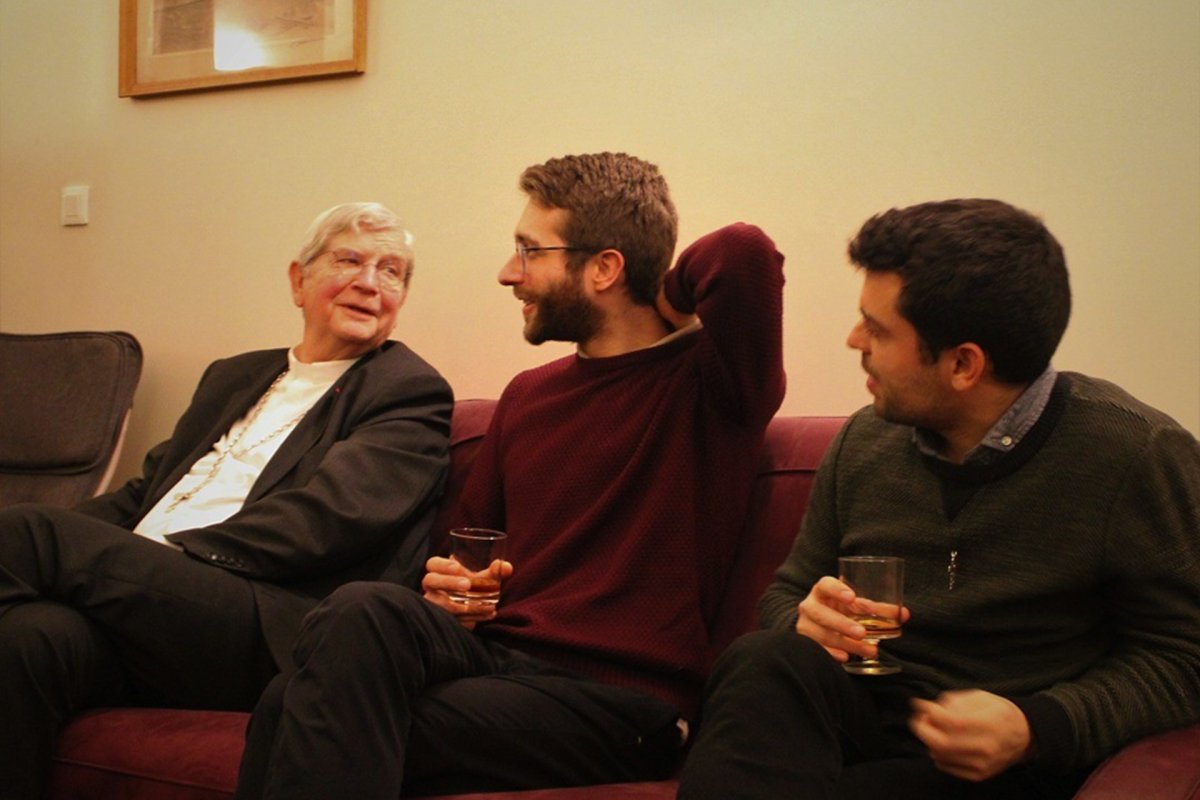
x=445 y=575
x=972 y=734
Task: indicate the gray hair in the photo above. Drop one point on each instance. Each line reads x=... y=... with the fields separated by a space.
x=355 y=217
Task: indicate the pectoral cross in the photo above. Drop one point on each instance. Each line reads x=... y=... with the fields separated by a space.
x=952 y=570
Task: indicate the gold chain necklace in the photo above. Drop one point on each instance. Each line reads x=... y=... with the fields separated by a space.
x=232 y=447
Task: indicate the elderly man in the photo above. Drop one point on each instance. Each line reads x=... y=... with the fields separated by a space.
x=291 y=472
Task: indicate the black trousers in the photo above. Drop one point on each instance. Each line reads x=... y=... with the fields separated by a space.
x=391 y=694
x=783 y=720
x=92 y=614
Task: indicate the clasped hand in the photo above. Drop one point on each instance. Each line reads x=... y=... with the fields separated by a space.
x=444 y=575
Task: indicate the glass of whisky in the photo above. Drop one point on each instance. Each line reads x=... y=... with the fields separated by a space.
x=878 y=584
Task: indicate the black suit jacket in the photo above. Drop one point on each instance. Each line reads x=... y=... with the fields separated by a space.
x=349 y=495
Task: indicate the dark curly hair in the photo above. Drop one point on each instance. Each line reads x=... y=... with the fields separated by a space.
x=976 y=271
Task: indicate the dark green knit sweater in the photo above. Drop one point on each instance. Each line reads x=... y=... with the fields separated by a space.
x=1076 y=585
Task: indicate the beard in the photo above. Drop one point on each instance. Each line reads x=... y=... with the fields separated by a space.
x=563 y=314
x=917 y=400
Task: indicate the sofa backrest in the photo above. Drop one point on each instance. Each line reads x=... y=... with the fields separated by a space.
x=467 y=427
x=791 y=453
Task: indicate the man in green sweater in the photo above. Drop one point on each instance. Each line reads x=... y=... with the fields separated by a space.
x=1050 y=525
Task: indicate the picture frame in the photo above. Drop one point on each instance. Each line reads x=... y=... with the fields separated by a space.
x=171 y=46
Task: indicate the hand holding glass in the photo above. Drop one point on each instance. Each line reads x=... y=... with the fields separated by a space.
x=878 y=584
x=477 y=550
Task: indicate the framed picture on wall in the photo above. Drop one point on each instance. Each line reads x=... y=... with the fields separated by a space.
x=188 y=45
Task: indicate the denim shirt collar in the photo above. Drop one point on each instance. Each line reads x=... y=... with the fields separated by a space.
x=1008 y=430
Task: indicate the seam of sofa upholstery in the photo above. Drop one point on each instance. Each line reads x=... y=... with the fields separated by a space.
x=156 y=777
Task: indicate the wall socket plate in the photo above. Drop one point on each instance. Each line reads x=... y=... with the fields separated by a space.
x=75 y=205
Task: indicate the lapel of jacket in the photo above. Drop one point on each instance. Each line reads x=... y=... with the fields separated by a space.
x=239 y=401
x=307 y=433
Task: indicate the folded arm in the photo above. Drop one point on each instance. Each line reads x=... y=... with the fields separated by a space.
x=732 y=280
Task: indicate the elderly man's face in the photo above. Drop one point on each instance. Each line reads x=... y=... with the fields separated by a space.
x=349 y=295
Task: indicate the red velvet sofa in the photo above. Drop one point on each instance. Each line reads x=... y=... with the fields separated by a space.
x=165 y=754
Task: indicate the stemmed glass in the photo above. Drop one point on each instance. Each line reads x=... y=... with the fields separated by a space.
x=878 y=584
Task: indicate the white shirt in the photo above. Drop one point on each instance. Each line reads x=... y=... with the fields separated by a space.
x=217 y=485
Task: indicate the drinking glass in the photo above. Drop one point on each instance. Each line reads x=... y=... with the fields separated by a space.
x=878 y=584
x=477 y=549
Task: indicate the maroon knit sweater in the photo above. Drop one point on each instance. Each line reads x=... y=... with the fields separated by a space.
x=623 y=482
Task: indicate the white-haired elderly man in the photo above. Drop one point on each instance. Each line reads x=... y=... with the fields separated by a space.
x=292 y=472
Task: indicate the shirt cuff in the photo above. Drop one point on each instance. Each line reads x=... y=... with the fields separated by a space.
x=1052 y=738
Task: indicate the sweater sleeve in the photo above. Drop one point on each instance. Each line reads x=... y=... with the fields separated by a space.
x=1149 y=680
x=814 y=552
x=732 y=279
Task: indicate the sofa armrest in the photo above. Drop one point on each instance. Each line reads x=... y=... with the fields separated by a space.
x=1165 y=766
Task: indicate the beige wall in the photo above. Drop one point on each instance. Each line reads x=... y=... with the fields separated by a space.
x=802 y=116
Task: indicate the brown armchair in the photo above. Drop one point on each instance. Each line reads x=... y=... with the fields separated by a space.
x=64 y=404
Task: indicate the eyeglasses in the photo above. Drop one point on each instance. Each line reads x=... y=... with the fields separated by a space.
x=390 y=272
x=524 y=250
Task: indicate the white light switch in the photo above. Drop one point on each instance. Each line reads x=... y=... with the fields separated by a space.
x=75 y=205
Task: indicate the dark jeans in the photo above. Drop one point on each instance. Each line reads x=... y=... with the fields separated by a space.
x=783 y=720
x=391 y=693
x=92 y=614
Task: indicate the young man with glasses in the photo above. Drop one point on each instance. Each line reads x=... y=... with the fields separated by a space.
x=621 y=474
x=291 y=472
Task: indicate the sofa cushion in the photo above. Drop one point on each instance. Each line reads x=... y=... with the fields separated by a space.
x=657 y=790
x=149 y=754
x=1165 y=766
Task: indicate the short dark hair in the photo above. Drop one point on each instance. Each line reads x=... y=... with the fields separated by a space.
x=976 y=271
x=614 y=201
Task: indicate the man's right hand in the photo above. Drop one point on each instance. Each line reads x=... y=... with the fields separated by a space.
x=822 y=618
x=675 y=318
x=444 y=575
